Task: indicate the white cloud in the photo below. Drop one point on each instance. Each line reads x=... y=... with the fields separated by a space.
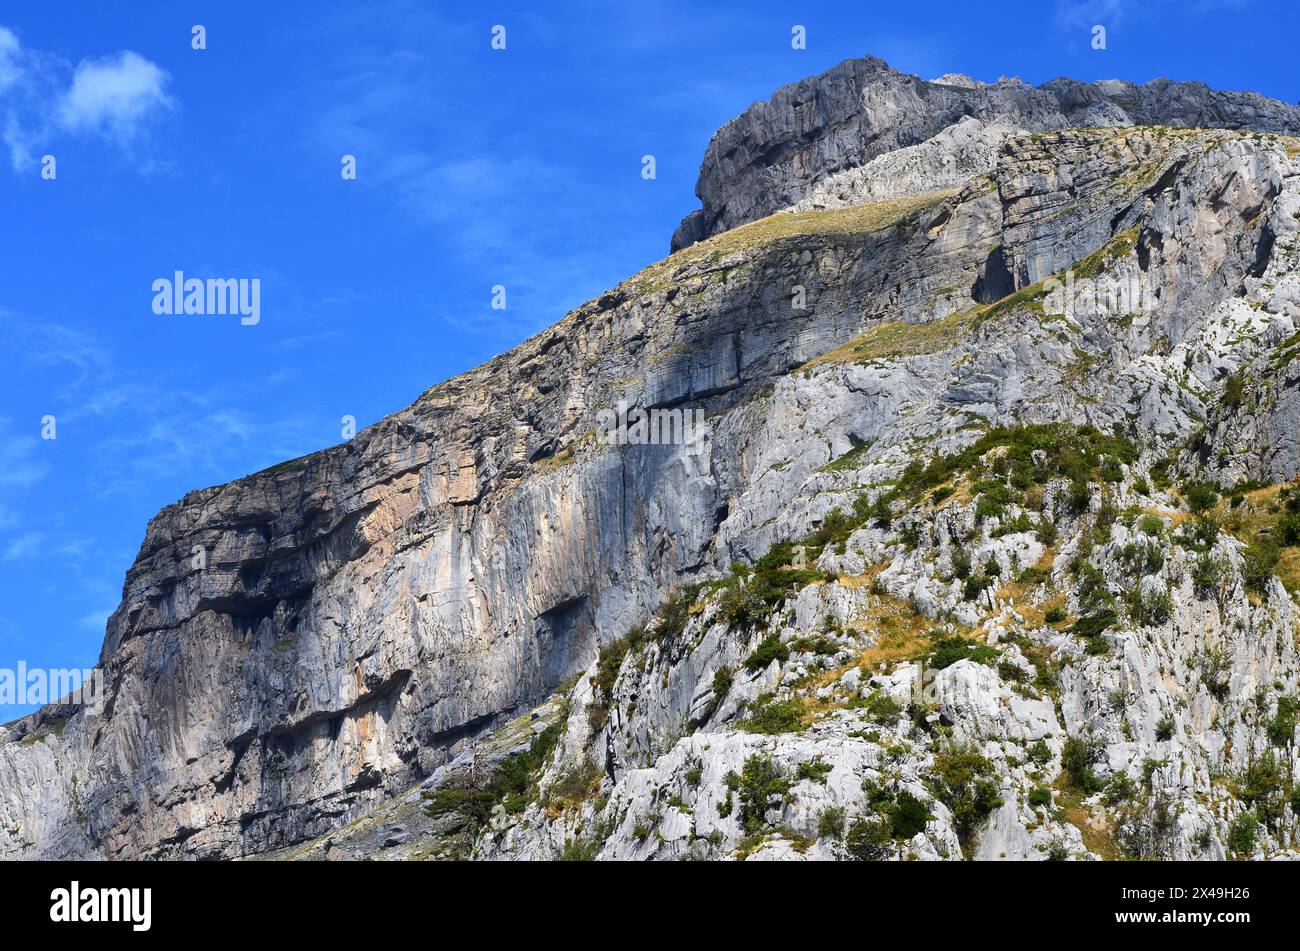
x=9 y=50
x=116 y=93
x=114 y=98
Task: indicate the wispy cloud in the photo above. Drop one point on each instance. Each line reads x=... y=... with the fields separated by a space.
x=1071 y=14
x=24 y=546
x=115 y=98
x=472 y=178
x=159 y=427
x=1086 y=13
x=20 y=468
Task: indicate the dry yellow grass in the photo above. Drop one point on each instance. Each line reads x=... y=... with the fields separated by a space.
x=1096 y=831
x=898 y=339
x=891 y=339
x=857 y=219
x=557 y=461
x=1258 y=515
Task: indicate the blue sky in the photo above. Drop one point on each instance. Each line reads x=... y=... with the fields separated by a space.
x=475 y=168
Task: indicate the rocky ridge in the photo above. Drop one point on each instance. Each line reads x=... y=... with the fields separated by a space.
x=863 y=130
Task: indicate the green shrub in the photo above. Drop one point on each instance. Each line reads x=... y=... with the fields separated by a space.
x=741 y=606
x=1067 y=451
x=821 y=646
x=1092 y=590
x=1054 y=615
x=1079 y=496
x=1165 y=728
x=1152 y=525
x=952 y=649
x=1142 y=558
x=1200 y=497
x=509 y=782
x=760 y=782
x=675 y=612
x=868 y=840
x=1040 y=754
x=1038 y=796
x=1207 y=575
x=1033 y=576
x=962 y=780
x=1013 y=673
x=882 y=708
x=1120 y=789
x=1259 y=560
x=1203 y=533
x=1234 y=388
x=773 y=716
x=1078 y=757
x=609 y=662
x=1241 y=835
x=722 y=680
x=1263 y=786
x=961 y=563
x=830 y=823
x=974 y=585
x=1288 y=529
x=1216 y=670
x=768 y=650
x=1150 y=608
x=1281 y=728
x=1093 y=625
x=815 y=770
x=908 y=815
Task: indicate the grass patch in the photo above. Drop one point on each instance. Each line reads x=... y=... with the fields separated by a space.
x=1101 y=260
x=895 y=338
x=290 y=465
x=850 y=460
x=786 y=226
x=1098 y=836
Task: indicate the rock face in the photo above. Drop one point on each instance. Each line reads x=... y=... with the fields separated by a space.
x=863 y=131
x=1056 y=643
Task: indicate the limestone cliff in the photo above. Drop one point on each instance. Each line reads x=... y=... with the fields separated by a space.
x=1024 y=649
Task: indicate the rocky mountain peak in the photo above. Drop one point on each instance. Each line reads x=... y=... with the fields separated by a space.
x=864 y=131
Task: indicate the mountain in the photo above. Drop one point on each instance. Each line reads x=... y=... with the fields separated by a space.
x=982 y=545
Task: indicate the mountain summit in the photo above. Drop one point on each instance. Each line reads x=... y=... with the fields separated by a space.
x=863 y=131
